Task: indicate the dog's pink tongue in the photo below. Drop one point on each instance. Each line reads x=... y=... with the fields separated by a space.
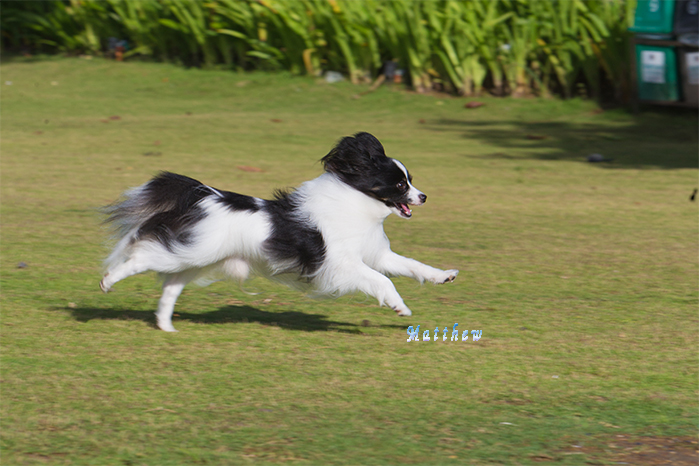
x=405 y=209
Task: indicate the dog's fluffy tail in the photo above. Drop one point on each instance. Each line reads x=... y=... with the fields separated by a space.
x=156 y=209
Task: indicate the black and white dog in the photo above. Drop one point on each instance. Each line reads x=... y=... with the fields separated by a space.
x=326 y=237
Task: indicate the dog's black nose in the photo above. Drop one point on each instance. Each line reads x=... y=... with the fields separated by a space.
x=422 y=197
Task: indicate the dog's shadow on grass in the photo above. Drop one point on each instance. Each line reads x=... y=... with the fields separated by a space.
x=289 y=320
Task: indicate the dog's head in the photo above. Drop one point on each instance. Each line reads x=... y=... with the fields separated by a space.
x=360 y=162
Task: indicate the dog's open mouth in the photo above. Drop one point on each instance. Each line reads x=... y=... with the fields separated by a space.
x=403 y=210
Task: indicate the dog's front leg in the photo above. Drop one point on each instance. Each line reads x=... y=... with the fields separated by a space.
x=394 y=264
x=375 y=284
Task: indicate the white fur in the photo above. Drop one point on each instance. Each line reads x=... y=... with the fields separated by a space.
x=229 y=244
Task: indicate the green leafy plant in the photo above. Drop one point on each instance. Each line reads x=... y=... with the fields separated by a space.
x=515 y=47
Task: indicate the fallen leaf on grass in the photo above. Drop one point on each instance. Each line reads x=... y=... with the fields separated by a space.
x=276 y=120
x=115 y=117
x=248 y=168
x=156 y=143
x=38 y=132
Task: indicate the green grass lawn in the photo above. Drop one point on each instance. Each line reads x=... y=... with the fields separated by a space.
x=583 y=278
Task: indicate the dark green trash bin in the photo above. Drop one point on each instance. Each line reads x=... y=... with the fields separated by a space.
x=686 y=20
x=657 y=76
x=654 y=17
x=689 y=74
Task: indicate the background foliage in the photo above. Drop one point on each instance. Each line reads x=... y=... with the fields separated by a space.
x=512 y=47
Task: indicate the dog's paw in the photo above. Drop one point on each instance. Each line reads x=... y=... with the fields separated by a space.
x=447 y=276
x=165 y=326
x=452 y=274
x=402 y=311
x=103 y=285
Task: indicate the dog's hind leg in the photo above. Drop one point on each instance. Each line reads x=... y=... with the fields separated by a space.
x=126 y=269
x=172 y=287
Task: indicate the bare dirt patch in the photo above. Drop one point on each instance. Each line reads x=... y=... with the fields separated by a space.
x=642 y=451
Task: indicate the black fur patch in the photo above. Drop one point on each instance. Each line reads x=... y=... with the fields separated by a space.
x=360 y=161
x=293 y=239
x=237 y=202
x=173 y=202
x=168 y=207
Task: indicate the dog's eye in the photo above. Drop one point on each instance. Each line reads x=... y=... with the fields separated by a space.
x=401 y=185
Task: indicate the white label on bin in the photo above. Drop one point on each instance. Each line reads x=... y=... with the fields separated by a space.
x=692 y=62
x=653 y=67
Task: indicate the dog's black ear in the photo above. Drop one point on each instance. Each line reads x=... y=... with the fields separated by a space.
x=354 y=155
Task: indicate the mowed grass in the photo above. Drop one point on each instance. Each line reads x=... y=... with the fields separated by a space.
x=583 y=278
